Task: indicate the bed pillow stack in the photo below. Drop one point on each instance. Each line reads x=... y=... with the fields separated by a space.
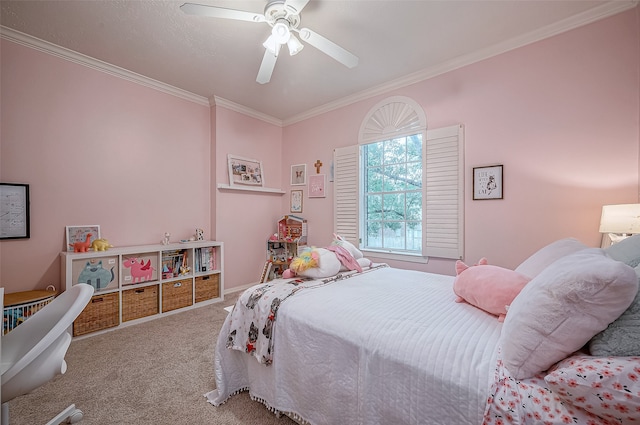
x=569 y=300
x=622 y=337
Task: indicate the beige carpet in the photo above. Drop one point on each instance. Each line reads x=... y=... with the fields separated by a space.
x=151 y=373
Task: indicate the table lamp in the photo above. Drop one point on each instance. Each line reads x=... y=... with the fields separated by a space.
x=618 y=222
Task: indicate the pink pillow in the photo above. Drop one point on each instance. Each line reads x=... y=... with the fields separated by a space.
x=490 y=288
x=605 y=386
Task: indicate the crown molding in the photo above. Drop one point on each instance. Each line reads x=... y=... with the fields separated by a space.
x=592 y=15
x=75 y=57
x=219 y=101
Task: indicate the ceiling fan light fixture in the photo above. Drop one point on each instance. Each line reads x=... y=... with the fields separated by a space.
x=272 y=45
x=280 y=31
x=294 y=45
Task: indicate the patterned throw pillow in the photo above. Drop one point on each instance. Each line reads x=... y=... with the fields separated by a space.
x=605 y=386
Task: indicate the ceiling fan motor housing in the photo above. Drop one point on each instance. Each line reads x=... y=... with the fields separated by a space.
x=276 y=12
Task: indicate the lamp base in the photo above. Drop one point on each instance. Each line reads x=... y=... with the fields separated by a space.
x=609 y=239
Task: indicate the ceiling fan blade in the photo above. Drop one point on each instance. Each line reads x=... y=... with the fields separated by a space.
x=327 y=46
x=221 y=12
x=295 y=6
x=266 y=67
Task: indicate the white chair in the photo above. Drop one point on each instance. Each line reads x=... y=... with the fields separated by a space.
x=33 y=353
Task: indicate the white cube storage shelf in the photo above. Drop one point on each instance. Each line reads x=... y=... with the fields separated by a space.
x=138 y=283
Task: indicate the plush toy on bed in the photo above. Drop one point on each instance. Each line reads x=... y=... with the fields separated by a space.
x=490 y=288
x=317 y=263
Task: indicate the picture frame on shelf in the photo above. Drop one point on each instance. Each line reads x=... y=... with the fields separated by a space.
x=317 y=186
x=80 y=233
x=15 y=221
x=245 y=171
x=296 y=201
x=298 y=175
x=488 y=182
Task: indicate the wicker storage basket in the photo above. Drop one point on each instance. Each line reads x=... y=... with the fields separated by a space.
x=207 y=287
x=139 y=302
x=102 y=312
x=177 y=294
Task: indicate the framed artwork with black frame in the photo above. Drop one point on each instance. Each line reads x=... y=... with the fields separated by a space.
x=488 y=182
x=14 y=211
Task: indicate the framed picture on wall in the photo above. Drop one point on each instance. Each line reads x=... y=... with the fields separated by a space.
x=296 y=201
x=14 y=211
x=487 y=182
x=86 y=233
x=244 y=171
x=316 y=186
x=298 y=175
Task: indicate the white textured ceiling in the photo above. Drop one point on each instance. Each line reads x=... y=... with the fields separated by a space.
x=396 y=41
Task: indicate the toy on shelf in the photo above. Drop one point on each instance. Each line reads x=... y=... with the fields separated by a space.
x=292 y=228
x=283 y=246
x=199 y=234
x=81 y=246
x=100 y=245
x=166 y=239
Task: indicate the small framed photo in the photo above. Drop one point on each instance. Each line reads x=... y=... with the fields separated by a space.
x=298 y=175
x=244 y=171
x=487 y=182
x=296 y=201
x=14 y=211
x=316 y=186
x=87 y=233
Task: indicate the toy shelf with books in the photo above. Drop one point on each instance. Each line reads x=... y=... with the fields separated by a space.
x=139 y=283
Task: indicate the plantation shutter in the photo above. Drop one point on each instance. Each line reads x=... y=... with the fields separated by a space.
x=346 y=186
x=443 y=213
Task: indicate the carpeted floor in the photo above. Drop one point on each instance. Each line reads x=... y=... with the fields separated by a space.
x=150 y=373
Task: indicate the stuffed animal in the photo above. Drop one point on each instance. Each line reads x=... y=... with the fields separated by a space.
x=490 y=288
x=101 y=244
x=317 y=263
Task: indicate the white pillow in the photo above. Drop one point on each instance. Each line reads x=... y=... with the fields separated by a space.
x=562 y=308
x=543 y=258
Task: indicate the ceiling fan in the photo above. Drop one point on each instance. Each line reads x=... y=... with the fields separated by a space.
x=283 y=16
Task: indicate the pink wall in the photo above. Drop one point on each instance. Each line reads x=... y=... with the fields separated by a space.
x=561 y=115
x=246 y=219
x=96 y=149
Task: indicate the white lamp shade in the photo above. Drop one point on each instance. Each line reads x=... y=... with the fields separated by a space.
x=623 y=218
x=280 y=32
x=294 y=45
x=272 y=45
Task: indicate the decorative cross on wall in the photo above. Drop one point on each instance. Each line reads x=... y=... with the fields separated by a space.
x=318 y=164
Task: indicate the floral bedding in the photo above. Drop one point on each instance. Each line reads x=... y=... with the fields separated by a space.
x=580 y=389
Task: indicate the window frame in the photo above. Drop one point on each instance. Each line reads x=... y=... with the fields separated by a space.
x=362 y=197
x=443 y=194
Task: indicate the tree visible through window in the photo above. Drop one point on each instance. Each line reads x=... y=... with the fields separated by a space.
x=392 y=194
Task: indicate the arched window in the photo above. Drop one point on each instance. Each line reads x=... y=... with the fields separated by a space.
x=399 y=192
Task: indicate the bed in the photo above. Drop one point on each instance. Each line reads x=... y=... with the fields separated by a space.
x=391 y=346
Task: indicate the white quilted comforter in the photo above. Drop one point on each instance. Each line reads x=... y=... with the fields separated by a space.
x=386 y=347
